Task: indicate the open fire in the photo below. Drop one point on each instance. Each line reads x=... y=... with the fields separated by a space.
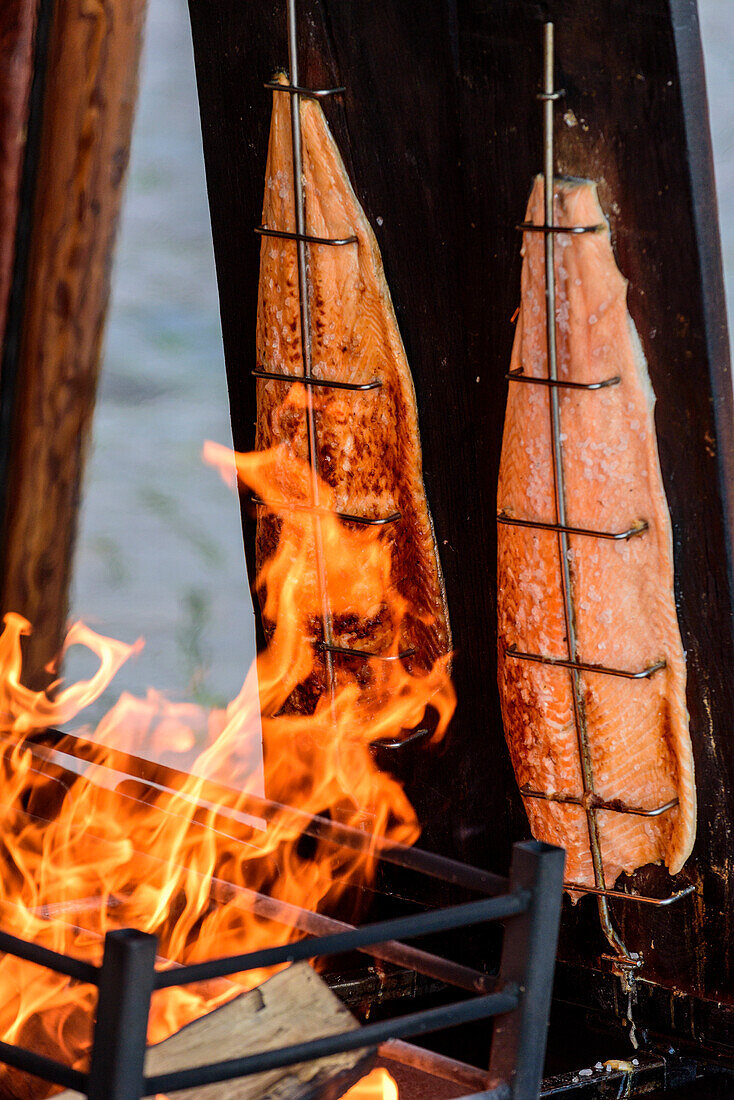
x=83 y=853
x=377 y=1085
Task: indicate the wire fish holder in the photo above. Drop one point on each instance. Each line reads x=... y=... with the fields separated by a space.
x=624 y=962
x=303 y=240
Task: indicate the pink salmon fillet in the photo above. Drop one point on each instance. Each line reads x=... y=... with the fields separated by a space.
x=623 y=592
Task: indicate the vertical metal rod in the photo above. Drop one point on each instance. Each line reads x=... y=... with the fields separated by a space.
x=305 y=316
x=125 y=988
x=579 y=707
x=528 y=960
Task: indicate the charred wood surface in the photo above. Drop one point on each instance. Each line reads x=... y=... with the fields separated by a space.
x=440 y=131
x=90 y=88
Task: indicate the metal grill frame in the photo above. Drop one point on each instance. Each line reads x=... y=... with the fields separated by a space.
x=529 y=904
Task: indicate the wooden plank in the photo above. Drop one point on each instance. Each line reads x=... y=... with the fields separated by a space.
x=440 y=131
x=292 y=1007
x=91 y=83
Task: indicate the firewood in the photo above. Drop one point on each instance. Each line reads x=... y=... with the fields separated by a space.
x=294 y=1006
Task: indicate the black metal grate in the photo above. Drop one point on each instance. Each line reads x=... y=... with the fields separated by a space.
x=529 y=903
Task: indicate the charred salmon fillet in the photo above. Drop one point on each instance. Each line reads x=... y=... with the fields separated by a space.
x=367 y=443
x=622 y=590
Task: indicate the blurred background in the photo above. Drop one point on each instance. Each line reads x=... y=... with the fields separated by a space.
x=159 y=551
x=160 y=548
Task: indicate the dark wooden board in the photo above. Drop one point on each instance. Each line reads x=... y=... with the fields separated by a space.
x=440 y=131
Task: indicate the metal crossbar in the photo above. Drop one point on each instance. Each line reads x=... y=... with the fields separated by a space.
x=345 y=517
x=53 y=747
x=478 y=1008
x=78 y=969
x=561 y=383
x=324 y=383
x=637 y=528
x=441 y=920
x=127 y=979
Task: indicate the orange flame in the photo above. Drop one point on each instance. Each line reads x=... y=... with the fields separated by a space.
x=87 y=848
x=377 y=1085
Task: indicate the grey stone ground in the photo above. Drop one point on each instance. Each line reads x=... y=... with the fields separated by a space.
x=160 y=551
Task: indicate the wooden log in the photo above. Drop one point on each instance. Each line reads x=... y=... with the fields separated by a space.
x=293 y=1007
x=91 y=83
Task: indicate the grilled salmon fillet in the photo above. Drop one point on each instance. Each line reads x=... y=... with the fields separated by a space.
x=367 y=442
x=622 y=591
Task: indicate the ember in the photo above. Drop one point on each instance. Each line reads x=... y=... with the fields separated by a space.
x=83 y=853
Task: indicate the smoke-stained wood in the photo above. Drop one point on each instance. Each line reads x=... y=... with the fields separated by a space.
x=90 y=89
x=440 y=131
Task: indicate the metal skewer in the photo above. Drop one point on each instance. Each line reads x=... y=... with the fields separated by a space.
x=548 y=96
x=299 y=199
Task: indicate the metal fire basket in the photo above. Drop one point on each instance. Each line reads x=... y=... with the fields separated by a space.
x=529 y=903
x=590 y=802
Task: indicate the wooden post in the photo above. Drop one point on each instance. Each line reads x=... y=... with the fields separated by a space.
x=18 y=22
x=90 y=89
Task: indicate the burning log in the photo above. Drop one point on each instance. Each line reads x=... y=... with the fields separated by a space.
x=292 y=1007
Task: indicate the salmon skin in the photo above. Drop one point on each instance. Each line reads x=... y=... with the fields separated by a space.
x=367 y=442
x=623 y=596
